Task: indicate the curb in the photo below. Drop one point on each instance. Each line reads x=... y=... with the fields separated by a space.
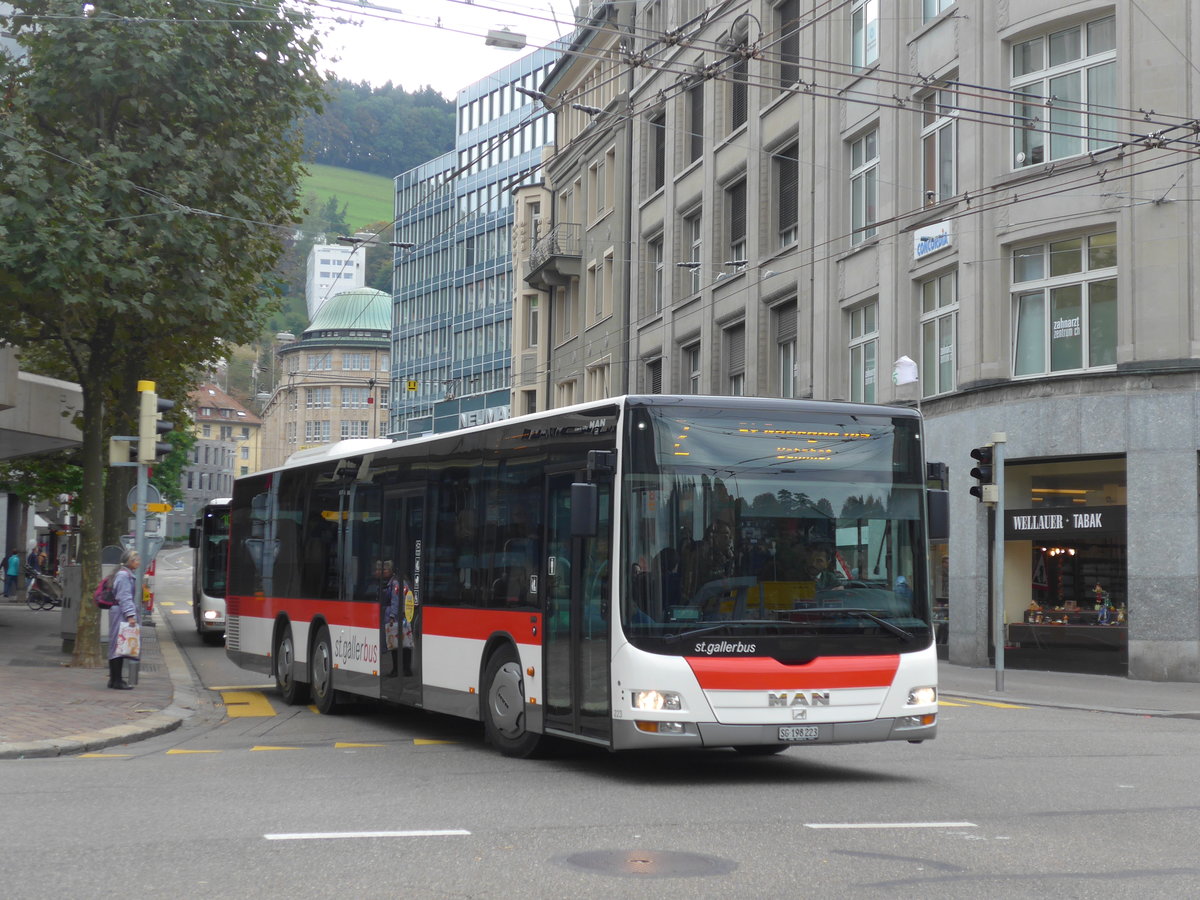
x=1047 y=704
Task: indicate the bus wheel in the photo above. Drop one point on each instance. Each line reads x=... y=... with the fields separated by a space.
x=504 y=706
x=292 y=691
x=320 y=672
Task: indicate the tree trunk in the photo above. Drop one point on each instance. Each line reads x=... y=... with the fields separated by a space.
x=88 y=652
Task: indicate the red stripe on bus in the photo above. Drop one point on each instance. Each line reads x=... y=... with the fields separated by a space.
x=480 y=624
x=762 y=673
x=350 y=614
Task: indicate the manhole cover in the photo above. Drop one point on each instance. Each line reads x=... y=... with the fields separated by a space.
x=650 y=863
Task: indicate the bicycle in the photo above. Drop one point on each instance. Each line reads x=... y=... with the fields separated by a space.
x=43 y=591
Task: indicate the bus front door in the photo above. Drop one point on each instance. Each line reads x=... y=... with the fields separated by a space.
x=577 y=617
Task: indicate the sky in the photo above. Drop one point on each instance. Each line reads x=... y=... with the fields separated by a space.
x=440 y=43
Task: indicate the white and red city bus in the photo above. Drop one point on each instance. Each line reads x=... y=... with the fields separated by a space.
x=643 y=572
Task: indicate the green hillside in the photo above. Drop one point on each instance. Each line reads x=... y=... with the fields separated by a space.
x=369 y=198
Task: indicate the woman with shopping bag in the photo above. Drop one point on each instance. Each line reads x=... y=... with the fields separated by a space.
x=124 y=621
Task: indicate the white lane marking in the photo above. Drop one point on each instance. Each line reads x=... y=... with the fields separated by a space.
x=335 y=835
x=893 y=825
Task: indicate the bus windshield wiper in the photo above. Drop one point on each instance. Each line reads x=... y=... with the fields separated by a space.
x=719 y=626
x=864 y=614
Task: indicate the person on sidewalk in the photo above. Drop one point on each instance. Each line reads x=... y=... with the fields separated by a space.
x=125 y=610
x=12 y=566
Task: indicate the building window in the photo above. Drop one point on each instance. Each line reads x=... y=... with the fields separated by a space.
x=1057 y=78
x=1065 y=305
x=786 y=166
x=738 y=75
x=695 y=119
x=784 y=326
x=318 y=398
x=735 y=215
x=864 y=175
x=787 y=26
x=531 y=322
x=735 y=360
x=355 y=429
x=316 y=431
x=864 y=341
x=564 y=309
x=596 y=378
x=355 y=397
x=931 y=9
x=691 y=369
x=938 y=136
x=320 y=362
x=656 y=260
x=693 y=229
x=864 y=33
x=939 y=319
x=566 y=393
x=658 y=151
x=654 y=376
x=529 y=402
x=245 y=452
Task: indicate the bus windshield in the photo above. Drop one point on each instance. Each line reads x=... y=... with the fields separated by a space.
x=799 y=537
x=214 y=550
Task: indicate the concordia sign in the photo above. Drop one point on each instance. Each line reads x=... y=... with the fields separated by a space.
x=1096 y=521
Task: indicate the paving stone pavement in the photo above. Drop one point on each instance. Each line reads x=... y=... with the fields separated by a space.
x=49 y=707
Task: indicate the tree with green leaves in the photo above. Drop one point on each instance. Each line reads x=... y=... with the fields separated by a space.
x=149 y=168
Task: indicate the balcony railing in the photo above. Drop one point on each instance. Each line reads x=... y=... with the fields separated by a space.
x=564 y=239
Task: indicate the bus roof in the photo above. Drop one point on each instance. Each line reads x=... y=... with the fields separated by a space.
x=340 y=450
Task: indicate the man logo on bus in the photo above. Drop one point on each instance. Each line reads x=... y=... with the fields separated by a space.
x=798 y=698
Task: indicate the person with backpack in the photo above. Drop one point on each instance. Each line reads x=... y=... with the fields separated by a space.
x=125 y=609
x=12 y=568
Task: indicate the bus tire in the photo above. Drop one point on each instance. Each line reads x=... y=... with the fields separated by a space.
x=504 y=705
x=320 y=673
x=290 y=690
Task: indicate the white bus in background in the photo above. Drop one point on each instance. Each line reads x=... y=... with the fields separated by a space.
x=209 y=537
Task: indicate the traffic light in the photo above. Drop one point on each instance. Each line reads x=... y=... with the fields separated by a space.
x=151 y=424
x=984 y=473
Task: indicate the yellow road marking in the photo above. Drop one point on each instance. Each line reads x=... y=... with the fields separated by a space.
x=166 y=602
x=342 y=746
x=242 y=687
x=273 y=748
x=181 y=752
x=948 y=703
x=247 y=705
x=313 y=709
x=424 y=741
x=180 y=612
x=963 y=701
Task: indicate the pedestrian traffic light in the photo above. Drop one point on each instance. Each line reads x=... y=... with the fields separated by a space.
x=151 y=424
x=984 y=474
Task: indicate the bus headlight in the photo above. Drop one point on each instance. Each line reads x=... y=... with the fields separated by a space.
x=922 y=696
x=211 y=615
x=651 y=701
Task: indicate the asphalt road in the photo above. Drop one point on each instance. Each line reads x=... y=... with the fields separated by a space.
x=253 y=797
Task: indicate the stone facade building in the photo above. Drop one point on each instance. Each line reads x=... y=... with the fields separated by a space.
x=785 y=198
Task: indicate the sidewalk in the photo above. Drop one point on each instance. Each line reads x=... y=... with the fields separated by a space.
x=1068 y=690
x=48 y=708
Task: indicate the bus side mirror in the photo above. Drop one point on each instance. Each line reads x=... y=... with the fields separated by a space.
x=584 y=510
x=194 y=537
x=939 y=516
